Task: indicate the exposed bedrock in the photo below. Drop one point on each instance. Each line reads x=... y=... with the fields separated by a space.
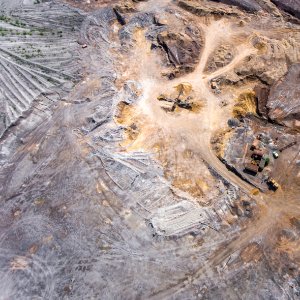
x=269 y=65
x=248 y=5
x=280 y=103
x=221 y=57
x=182 y=48
x=290 y=6
x=204 y=8
x=252 y=6
x=283 y=103
x=262 y=95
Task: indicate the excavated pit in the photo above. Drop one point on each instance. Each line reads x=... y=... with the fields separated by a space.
x=124 y=131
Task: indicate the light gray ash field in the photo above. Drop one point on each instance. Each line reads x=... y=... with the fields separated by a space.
x=149 y=149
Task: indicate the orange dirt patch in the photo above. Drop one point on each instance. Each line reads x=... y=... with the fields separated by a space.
x=126 y=116
x=220 y=140
x=245 y=104
x=179 y=164
x=251 y=253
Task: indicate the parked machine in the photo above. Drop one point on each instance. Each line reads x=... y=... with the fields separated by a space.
x=273 y=184
x=182 y=99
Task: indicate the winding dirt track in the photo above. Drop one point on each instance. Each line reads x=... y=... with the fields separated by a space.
x=273 y=206
x=211 y=116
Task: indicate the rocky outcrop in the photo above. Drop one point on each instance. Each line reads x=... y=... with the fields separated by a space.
x=290 y=6
x=283 y=103
x=125 y=7
x=262 y=94
x=269 y=7
x=183 y=49
x=268 y=65
x=204 y=8
x=248 y=5
x=221 y=57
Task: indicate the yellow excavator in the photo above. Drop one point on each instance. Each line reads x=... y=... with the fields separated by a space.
x=273 y=184
x=183 y=89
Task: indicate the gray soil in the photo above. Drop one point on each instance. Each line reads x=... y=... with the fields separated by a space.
x=107 y=194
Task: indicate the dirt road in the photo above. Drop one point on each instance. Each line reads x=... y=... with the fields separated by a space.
x=197 y=131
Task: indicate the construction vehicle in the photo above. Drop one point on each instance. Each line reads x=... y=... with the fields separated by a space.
x=255 y=192
x=273 y=184
x=184 y=104
x=183 y=89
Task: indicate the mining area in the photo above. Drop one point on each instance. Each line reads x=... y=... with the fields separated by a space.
x=149 y=149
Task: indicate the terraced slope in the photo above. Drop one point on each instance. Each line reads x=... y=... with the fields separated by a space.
x=38 y=54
